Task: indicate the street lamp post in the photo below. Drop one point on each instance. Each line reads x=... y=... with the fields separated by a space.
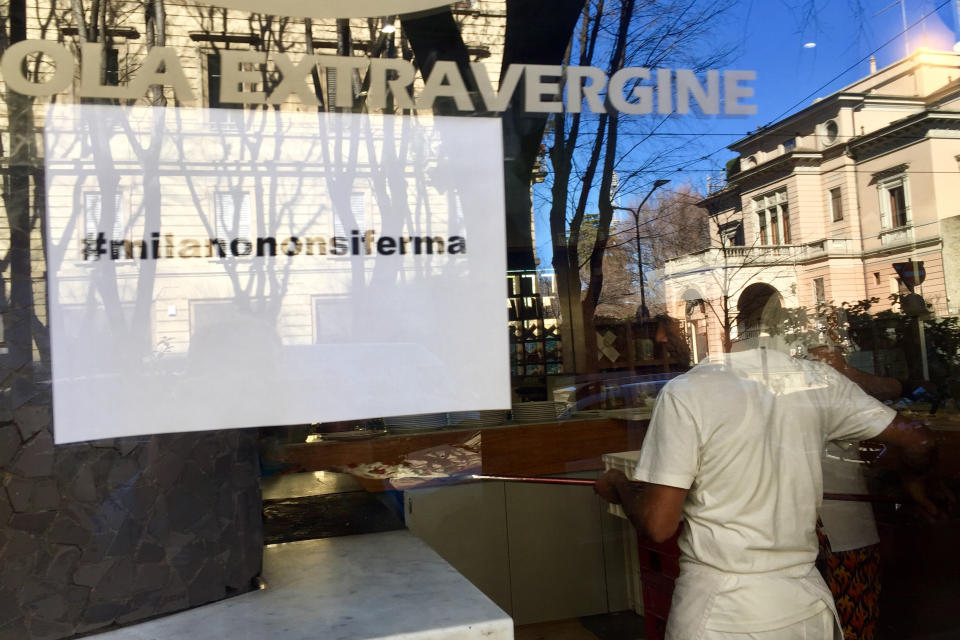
x=644 y=313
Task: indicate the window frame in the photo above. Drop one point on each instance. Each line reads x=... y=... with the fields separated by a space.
x=889 y=219
x=212 y=77
x=830 y=137
x=232 y=113
x=120 y=231
x=111 y=65
x=335 y=334
x=241 y=233
x=836 y=204
x=773 y=218
x=359 y=204
x=819 y=290
x=731 y=234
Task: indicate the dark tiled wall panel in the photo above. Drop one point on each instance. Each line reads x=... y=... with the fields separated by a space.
x=107 y=533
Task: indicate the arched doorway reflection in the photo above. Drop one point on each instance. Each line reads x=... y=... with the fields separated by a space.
x=758 y=311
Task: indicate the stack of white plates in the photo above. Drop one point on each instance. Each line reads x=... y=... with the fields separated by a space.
x=416 y=422
x=535 y=411
x=478 y=419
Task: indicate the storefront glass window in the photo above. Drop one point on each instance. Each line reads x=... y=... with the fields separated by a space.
x=508 y=318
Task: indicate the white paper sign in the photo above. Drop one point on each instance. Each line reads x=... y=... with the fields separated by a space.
x=213 y=269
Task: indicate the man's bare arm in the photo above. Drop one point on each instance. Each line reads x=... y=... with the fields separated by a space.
x=654 y=509
x=913 y=445
x=912 y=442
x=914 y=450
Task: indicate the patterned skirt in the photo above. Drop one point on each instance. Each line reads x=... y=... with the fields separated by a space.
x=854 y=579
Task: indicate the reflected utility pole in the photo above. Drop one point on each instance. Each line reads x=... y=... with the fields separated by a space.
x=644 y=313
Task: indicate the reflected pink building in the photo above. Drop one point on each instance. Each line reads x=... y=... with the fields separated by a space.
x=819 y=206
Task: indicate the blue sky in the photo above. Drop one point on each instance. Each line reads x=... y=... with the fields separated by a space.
x=790 y=75
x=771 y=35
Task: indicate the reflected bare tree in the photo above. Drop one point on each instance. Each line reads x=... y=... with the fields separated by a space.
x=586 y=151
x=24 y=324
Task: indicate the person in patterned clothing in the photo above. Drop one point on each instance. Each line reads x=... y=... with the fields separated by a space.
x=849 y=557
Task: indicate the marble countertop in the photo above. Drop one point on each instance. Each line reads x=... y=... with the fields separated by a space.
x=381 y=585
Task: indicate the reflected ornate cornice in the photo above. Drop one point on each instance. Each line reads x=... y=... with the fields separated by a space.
x=902 y=133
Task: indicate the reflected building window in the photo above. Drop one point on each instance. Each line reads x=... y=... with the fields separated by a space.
x=831 y=131
x=87 y=325
x=111 y=71
x=214 y=81
x=331 y=81
x=731 y=234
x=836 y=204
x=819 y=291
x=210 y=313
x=358 y=209
x=231 y=214
x=332 y=319
x=234 y=114
x=349 y=82
x=894 y=203
x=93 y=212
x=773 y=221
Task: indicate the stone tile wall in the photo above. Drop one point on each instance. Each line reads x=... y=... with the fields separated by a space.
x=107 y=533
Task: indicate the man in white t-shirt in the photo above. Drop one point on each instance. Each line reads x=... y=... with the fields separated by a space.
x=734 y=448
